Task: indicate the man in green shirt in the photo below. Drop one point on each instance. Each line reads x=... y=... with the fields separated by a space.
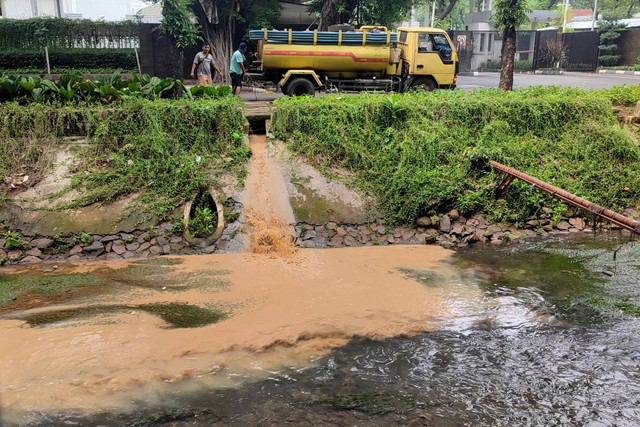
x=237 y=69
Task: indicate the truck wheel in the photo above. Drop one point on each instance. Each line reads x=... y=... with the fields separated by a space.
x=423 y=84
x=301 y=86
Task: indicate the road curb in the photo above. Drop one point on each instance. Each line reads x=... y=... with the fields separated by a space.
x=629 y=72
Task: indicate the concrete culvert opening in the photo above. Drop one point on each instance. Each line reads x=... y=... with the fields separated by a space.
x=203 y=217
x=257 y=127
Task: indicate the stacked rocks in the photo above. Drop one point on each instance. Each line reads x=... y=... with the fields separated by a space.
x=448 y=230
x=136 y=244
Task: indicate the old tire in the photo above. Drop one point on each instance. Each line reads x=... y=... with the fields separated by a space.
x=301 y=86
x=425 y=84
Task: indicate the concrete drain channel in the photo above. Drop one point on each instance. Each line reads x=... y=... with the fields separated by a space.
x=211 y=200
x=257 y=127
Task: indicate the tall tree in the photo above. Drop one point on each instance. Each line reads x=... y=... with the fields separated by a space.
x=360 y=12
x=444 y=8
x=449 y=13
x=509 y=15
x=221 y=22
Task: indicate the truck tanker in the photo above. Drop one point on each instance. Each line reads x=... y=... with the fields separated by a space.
x=368 y=58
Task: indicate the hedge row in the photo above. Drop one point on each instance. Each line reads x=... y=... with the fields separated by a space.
x=428 y=152
x=69 y=58
x=35 y=33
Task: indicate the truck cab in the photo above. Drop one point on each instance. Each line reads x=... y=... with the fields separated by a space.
x=428 y=58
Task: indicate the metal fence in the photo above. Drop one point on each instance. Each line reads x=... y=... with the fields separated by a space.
x=576 y=51
x=36 y=33
x=481 y=50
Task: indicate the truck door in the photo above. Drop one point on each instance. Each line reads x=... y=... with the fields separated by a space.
x=434 y=57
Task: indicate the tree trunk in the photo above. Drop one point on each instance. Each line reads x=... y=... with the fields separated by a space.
x=220 y=36
x=329 y=14
x=222 y=47
x=508 y=58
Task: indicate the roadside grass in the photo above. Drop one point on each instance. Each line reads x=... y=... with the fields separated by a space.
x=164 y=149
x=427 y=153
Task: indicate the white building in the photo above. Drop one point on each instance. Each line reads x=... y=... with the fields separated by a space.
x=488 y=41
x=108 y=10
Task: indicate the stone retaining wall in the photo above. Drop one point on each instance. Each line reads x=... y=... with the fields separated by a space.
x=450 y=230
x=137 y=244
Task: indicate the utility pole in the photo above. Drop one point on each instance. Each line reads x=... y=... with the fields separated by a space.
x=566 y=14
x=58 y=9
x=595 y=15
x=433 y=15
x=426 y=14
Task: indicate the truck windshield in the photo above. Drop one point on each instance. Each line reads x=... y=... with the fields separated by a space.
x=441 y=45
x=436 y=43
x=441 y=42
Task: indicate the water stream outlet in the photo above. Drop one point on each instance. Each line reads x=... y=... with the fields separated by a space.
x=257 y=127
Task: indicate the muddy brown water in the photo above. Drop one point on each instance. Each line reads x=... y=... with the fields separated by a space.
x=526 y=334
x=284 y=312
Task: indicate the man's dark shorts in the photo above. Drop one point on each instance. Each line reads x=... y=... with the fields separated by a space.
x=236 y=80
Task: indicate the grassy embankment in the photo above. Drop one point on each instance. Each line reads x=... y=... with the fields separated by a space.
x=428 y=153
x=164 y=149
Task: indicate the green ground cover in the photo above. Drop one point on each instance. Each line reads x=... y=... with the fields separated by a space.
x=424 y=153
x=164 y=149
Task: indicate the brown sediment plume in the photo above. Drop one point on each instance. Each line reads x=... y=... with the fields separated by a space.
x=283 y=311
x=270 y=237
x=266 y=204
x=281 y=314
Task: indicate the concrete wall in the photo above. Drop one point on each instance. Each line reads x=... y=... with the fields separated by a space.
x=629 y=46
x=159 y=57
x=22 y=9
x=109 y=10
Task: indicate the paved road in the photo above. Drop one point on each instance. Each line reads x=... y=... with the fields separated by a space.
x=584 y=80
x=470 y=82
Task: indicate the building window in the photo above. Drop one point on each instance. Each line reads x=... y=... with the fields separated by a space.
x=490 y=43
x=482 y=40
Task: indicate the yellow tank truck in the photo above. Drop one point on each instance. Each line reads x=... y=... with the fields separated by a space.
x=369 y=58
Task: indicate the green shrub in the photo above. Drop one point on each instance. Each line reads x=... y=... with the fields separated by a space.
x=69 y=58
x=71 y=88
x=14 y=240
x=623 y=95
x=204 y=219
x=435 y=158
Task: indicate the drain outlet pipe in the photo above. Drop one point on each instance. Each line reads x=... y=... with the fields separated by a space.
x=580 y=203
